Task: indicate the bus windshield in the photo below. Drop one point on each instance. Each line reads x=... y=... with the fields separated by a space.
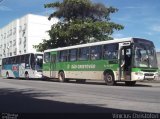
x=145 y=56
x=39 y=62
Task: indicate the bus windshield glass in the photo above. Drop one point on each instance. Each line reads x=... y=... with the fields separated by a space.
x=145 y=56
x=39 y=62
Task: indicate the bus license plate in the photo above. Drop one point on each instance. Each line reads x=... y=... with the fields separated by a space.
x=149 y=77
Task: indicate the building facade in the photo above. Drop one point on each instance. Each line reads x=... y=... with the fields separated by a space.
x=20 y=35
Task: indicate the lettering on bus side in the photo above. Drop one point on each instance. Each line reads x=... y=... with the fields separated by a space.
x=86 y=66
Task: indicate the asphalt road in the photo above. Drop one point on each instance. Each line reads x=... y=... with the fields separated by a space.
x=25 y=96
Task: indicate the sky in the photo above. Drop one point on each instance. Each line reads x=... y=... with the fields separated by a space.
x=140 y=18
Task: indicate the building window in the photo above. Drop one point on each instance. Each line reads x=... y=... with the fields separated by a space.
x=4 y=46
x=7 y=34
x=24 y=51
x=10 y=43
x=24 y=29
x=14 y=31
x=1 y=36
x=10 y=54
x=24 y=26
x=11 y=32
x=14 y=42
x=24 y=40
x=19 y=52
x=24 y=45
x=20 y=28
x=20 y=41
x=4 y=35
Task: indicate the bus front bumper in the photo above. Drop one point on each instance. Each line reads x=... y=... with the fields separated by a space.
x=144 y=75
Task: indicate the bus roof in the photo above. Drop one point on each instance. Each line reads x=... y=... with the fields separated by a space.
x=94 y=43
x=23 y=54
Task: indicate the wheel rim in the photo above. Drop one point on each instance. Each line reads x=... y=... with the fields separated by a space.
x=7 y=75
x=109 y=78
x=61 y=77
x=27 y=76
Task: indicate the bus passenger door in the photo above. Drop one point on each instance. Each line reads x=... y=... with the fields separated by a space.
x=53 y=66
x=125 y=62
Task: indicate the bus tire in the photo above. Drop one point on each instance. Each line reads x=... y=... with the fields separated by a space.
x=109 y=78
x=7 y=75
x=130 y=83
x=61 y=76
x=26 y=75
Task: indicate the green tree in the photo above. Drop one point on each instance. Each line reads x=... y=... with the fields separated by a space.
x=81 y=21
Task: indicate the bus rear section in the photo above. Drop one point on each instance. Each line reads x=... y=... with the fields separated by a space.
x=23 y=66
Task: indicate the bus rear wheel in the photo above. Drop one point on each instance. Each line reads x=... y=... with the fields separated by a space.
x=26 y=75
x=109 y=78
x=61 y=76
x=7 y=75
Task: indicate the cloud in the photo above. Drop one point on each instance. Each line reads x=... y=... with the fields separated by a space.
x=46 y=12
x=149 y=33
x=140 y=7
x=132 y=7
x=155 y=28
x=118 y=35
x=157 y=49
x=5 y=8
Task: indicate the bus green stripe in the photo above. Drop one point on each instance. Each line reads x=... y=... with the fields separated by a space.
x=100 y=65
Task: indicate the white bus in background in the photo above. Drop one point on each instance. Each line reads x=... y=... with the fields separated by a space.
x=26 y=66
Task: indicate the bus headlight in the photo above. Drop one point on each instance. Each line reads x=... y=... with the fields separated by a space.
x=139 y=73
x=156 y=74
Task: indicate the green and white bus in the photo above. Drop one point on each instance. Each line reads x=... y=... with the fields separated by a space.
x=126 y=59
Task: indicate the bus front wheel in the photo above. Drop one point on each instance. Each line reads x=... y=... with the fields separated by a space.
x=109 y=78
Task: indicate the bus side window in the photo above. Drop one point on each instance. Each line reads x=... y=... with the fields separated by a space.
x=4 y=62
x=110 y=51
x=84 y=53
x=72 y=55
x=63 y=56
x=13 y=60
x=22 y=59
x=17 y=59
x=47 y=57
x=27 y=56
x=96 y=52
x=9 y=60
x=32 y=61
